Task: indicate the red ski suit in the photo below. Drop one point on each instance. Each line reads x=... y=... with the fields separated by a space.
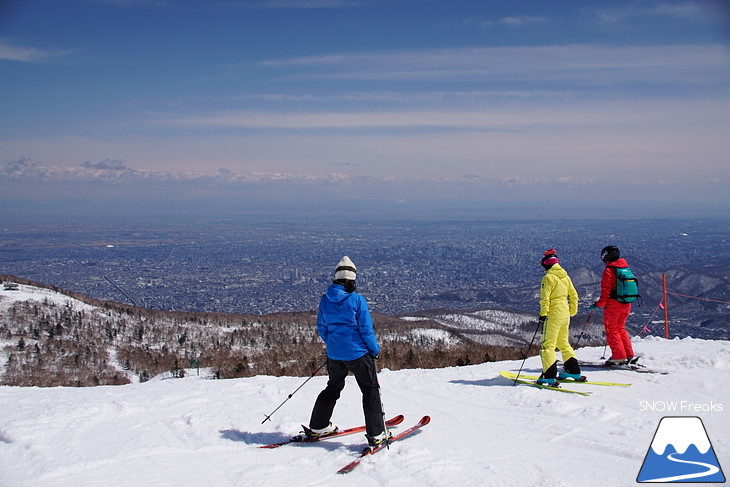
x=615 y=313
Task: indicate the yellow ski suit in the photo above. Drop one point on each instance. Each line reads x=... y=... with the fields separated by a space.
x=558 y=301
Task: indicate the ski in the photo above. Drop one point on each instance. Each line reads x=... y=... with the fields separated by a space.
x=571 y=381
x=513 y=377
x=349 y=431
x=370 y=451
x=634 y=367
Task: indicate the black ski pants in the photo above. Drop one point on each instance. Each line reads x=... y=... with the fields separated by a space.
x=364 y=371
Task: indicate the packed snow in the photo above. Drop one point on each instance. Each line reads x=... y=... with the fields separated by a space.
x=24 y=292
x=484 y=431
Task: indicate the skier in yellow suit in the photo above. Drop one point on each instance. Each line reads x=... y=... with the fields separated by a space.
x=558 y=302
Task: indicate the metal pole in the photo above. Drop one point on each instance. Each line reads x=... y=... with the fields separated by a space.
x=584 y=328
x=666 y=311
x=268 y=417
x=528 y=351
x=382 y=410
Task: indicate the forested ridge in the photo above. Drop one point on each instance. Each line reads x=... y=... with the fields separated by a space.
x=53 y=338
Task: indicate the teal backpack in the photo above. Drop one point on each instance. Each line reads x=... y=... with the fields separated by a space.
x=627 y=286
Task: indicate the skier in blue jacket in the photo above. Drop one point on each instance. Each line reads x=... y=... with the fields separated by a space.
x=345 y=326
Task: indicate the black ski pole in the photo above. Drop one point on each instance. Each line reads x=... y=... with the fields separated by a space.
x=382 y=409
x=584 y=328
x=603 y=357
x=528 y=350
x=268 y=417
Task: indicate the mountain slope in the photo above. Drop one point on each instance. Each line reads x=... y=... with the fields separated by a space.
x=484 y=430
x=48 y=338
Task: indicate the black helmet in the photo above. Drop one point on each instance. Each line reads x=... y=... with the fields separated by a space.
x=610 y=253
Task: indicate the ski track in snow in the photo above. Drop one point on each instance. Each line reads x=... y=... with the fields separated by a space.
x=483 y=432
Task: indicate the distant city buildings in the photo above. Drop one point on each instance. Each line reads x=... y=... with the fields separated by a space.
x=404 y=267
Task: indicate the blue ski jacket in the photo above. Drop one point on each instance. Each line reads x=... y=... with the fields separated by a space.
x=345 y=325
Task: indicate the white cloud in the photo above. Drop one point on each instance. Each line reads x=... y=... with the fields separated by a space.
x=703 y=11
x=511 y=118
x=688 y=10
x=136 y=3
x=106 y=164
x=611 y=140
x=305 y=4
x=114 y=170
x=33 y=179
x=25 y=54
x=408 y=96
x=111 y=170
x=573 y=65
x=233 y=4
x=523 y=20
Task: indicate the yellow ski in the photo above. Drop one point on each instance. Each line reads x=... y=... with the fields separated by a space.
x=513 y=377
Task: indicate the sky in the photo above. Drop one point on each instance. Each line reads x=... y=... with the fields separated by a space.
x=279 y=104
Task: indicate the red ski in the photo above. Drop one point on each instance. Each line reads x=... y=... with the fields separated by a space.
x=369 y=451
x=357 y=429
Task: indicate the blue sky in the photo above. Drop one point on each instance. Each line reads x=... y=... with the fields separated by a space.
x=400 y=102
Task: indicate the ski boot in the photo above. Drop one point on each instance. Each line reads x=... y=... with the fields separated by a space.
x=543 y=381
x=377 y=440
x=319 y=432
x=612 y=362
x=574 y=377
x=571 y=371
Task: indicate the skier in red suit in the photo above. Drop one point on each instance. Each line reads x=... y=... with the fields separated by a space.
x=614 y=312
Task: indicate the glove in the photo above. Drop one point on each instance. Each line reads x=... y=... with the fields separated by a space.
x=542 y=319
x=594 y=307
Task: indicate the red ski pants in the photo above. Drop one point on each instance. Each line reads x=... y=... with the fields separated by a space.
x=614 y=319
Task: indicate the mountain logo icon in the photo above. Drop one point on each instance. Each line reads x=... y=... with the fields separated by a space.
x=681 y=452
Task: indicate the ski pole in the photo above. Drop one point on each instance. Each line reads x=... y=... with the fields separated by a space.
x=528 y=350
x=385 y=424
x=604 y=351
x=584 y=328
x=380 y=396
x=268 y=417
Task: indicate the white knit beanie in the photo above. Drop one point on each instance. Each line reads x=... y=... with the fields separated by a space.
x=346 y=269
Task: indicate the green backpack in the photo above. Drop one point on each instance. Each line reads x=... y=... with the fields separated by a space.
x=627 y=286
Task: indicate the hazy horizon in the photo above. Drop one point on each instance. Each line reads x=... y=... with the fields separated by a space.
x=365 y=106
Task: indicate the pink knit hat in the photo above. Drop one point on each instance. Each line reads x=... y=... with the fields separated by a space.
x=550 y=257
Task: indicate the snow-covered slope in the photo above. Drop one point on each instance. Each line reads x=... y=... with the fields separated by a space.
x=40 y=295
x=484 y=431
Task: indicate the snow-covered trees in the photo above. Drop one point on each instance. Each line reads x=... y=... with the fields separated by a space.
x=51 y=339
